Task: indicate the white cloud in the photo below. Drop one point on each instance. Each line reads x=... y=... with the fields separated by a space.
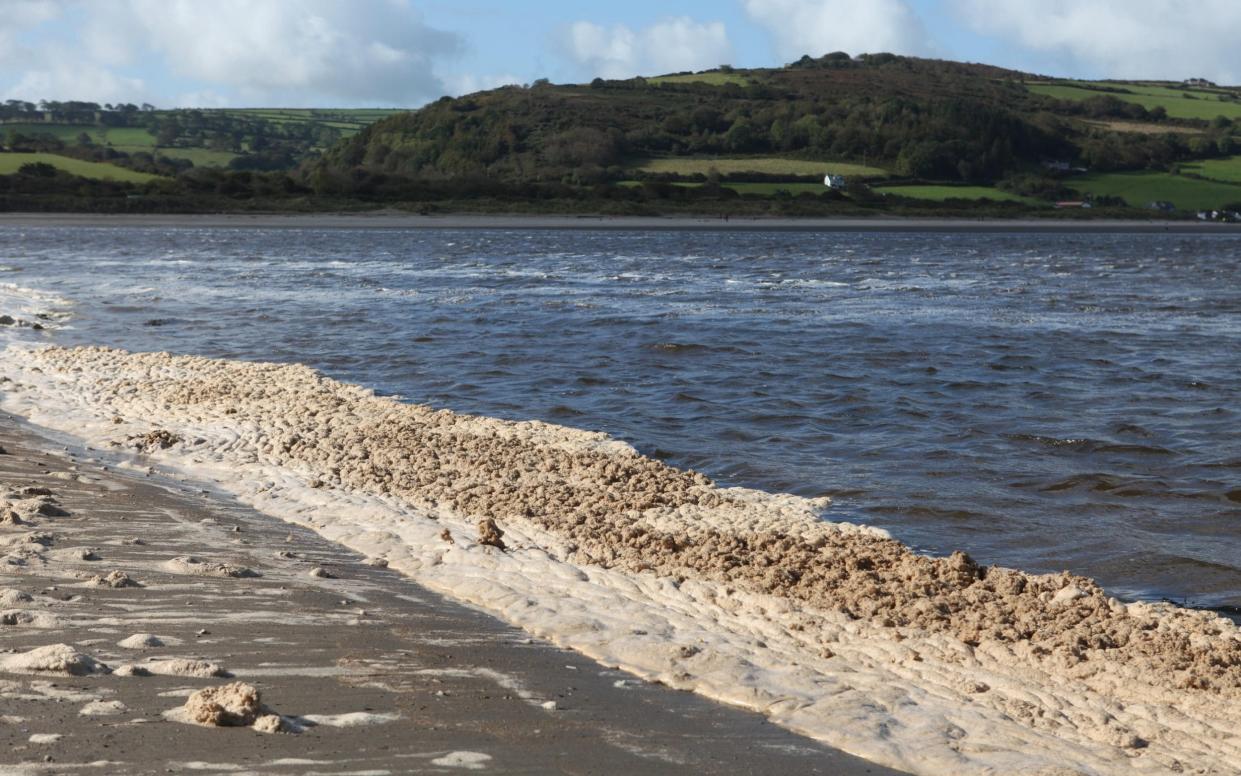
x=52 y=69
x=300 y=50
x=17 y=16
x=203 y=98
x=64 y=79
x=287 y=52
x=468 y=83
x=818 y=27
x=28 y=13
x=1119 y=38
x=671 y=45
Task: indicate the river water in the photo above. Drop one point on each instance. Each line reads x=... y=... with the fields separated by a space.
x=1046 y=402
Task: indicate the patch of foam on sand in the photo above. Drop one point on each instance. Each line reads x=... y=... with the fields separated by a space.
x=469 y=761
x=176 y=666
x=60 y=659
x=933 y=665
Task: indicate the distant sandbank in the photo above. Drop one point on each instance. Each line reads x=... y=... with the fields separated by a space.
x=397 y=220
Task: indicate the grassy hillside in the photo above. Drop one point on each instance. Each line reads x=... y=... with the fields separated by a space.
x=711 y=77
x=908 y=134
x=1227 y=169
x=11 y=163
x=1179 y=103
x=249 y=138
x=946 y=193
x=765 y=165
x=924 y=123
x=1141 y=188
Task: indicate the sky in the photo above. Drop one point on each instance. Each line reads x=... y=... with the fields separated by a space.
x=404 y=53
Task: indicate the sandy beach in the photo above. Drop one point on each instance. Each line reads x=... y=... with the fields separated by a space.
x=158 y=590
x=839 y=632
x=466 y=221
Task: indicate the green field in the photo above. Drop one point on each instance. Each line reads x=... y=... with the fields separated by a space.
x=713 y=77
x=1141 y=188
x=11 y=163
x=763 y=189
x=65 y=132
x=348 y=120
x=1205 y=105
x=1227 y=170
x=201 y=157
x=129 y=140
x=942 y=193
x=132 y=140
x=769 y=189
x=767 y=165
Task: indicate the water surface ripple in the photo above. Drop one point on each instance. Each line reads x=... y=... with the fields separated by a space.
x=1044 y=401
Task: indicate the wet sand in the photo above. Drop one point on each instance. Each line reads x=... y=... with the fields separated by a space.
x=400 y=220
x=380 y=674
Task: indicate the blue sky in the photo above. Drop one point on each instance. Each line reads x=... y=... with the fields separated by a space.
x=405 y=52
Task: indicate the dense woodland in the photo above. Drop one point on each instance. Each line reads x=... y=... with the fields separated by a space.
x=920 y=118
x=556 y=146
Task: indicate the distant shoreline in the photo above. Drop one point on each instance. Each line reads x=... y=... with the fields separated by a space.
x=392 y=220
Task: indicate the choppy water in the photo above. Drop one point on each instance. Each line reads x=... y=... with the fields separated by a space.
x=1045 y=402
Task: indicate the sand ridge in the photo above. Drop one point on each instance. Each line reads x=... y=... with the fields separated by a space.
x=599 y=504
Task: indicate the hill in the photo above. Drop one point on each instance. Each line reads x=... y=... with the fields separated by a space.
x=1006 y=135
x=898 y=135
x=170 y=141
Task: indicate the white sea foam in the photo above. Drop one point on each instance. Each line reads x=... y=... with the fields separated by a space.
x=17 y=299
x=921 y=701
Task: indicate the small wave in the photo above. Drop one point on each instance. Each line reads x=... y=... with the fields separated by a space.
x=678 y=347
x=564 y=411
x=1131 y=449
x=24 y=294
x=934 y=513
x=1087 y=445
x=1070 y=443
x=688 y=397
x=1096 y=482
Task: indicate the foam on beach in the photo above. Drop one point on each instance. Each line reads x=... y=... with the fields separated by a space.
x=934 y=665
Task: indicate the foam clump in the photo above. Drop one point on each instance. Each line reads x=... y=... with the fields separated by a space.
x=29 y=537
x=231 y=705
x=188 y=564
x=488 y=533
x=11 y=597
x=29 y=619
x=103 y=709
x=60 y=659
x=270 y=723
x=141 y=641
x=27 y=509
x=157 y=439
x=113 y=579
x=200 y=669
